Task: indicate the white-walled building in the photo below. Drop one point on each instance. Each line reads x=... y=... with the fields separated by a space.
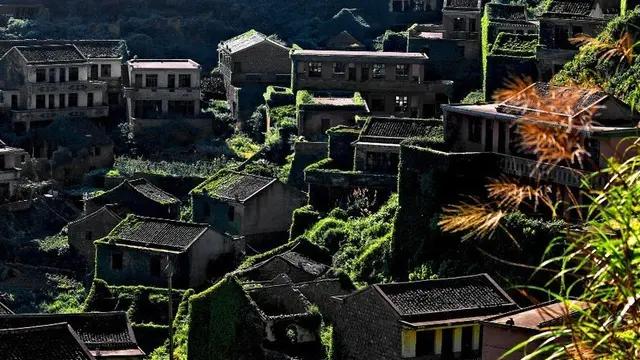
x=11 y=162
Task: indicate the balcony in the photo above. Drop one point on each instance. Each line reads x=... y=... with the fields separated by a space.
x=49 y=114
x=162 y=93
x=461 y=35
x=66 y=87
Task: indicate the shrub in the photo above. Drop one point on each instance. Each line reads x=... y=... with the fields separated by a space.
x=242 y=146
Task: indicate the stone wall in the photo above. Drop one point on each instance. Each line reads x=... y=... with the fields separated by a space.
x=320 y=293
x=84 y=232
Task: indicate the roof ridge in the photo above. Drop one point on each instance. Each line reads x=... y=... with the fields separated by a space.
x=157 y=219
x=35 y=328
x=101 y=209
x=249 y=174
x=480 y=275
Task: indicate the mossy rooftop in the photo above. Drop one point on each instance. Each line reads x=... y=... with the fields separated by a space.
x=232 y=185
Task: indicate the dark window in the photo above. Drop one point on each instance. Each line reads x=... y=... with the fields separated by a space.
x=138 y=81
x=151 y=81
x=402 y=71
x=231 y=213
x=88 y=235
x=402 y=102
x=397 y=5
x=105 y=70
x=447 y=342
x=488 y=136
x=475 y=130
x=155 y=266
x=352 y=74
x=237 y=67
x=73 y=100
x=41 y=101
x=3 y=164
x=561 y=38
x=14 y=102
x=171 y=81
x=339 y=68
x=459 y=24
x=364 y=72
x=315 y=69
x=325 y=124
x=425 y=343
x=472 y=25
x=577 y=30
x=467 y=340
x=62 y=75
x=89 y=99
x=116 y=261
x=114 y=98
x=62 y=101
x=460 y=51
x=94 y=71
x=378 y=71
x=23 y=159
x=52 y=75
x=41 y=75
x=73 y=74
x=97 y=151
x=184 y=81
x=377 y=104
x=52 y=101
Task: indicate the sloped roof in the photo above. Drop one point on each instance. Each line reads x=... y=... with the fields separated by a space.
x=506 y=12
x=538 y=317
x=51 y=342
x=474 y=5
x=98 y=331
x=159 y=234
x=235 y=186
x=579 y=9
x=105 y=210
x=304 y=263
x=51 y=54
x=4 y=310
x=247 y=40
x=468 y=295
x=395 y=130
x=344 y=41
x=91 y=49
x=140 y=187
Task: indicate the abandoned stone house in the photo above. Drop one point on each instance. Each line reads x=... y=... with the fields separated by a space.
x=377 y=149
x=145 y=251
x=343 y=41
x=249 y=62
x=490 y=128
x=157 y=91
x=256 y=207
x=404 y=13
x=563 y=20
x=321 y=110
x=12 y=160
x=106 y=336
x=41 y=83
x=57 y=341
x=391 y=83
x=509 y=18
x=430 y=319
x=139 y=197
x=84 y=231
x=504 y=332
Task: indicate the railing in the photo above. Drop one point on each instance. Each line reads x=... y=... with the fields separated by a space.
x=48 y=114
x=461 y=35
x=162 y=93
x=66 y=87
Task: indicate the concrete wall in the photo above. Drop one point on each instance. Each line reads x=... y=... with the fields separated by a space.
x=208 y=248
x=311 y=120
x=497 y=340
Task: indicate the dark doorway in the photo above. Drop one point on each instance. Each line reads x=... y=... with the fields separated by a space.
x=502 y=137
x=352 y=74
x=488 y=138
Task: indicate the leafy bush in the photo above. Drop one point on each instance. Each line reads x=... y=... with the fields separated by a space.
x=199 y=168
x=242 y=146
x=474 y=97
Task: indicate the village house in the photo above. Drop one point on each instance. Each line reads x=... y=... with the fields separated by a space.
x=391 y=83
x=161 y=90
x=429 y=319
x=490 y=128
x=11 y=162
x=249 y=62
x=84 y=231
x=563 y=20
x=318 y=111
x=105 y=335
x=504 y=332
x=509 y=18
x=377 y=149
x=256 y=207
x=343 y=41
x=50 y=342
x=139 y=197
x=41 y=83
x=404 y=13
x=145 y=251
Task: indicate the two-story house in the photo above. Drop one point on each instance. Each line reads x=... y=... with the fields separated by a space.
x=161 y=90
x=249 y=63
x=11 y=162
x=391 y=83
x=429 y=319
x=43 y=82
x=461 y=22
x=563 y=20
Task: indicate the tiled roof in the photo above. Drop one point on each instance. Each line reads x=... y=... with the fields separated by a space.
x=506 y=12
x=345 y=55
x=394 y=130
x=106 y=210
x=101 y=49
x=539 y=316
x=444 y=295
x=98 y=331
x=152 y=192
x=157 y=233
x=304 y=263
x=462 y=5
x=51 y=54
x=52 y=342
x=344 y=41
x=579 y=9
x=246 y=40
x=521 y=103
x=236 y=186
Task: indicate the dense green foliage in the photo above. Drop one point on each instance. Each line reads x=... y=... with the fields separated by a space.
x=474 y=97
x=242 y=146
x=515 y=45
x=197 y=168
x=180 y=333
x=303 y=219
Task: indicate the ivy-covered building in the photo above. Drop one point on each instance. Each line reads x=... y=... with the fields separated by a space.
x=105 y=335
x=12 y=160
x=512 y=56
x=563 y=20
x=430 y=319
x=139 y=197
x=318 y=111
x=256 y=207
x=343 y=41
x=145 y=251
x=249 y=62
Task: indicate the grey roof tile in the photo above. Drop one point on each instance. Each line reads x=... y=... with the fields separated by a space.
x=236 y=186
x=395 y=130
x=51 y=54
x=51 y=342
x=157 y=233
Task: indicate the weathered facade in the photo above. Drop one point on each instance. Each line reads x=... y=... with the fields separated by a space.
x=96 y=225
x=144 y=251
x=160 y=90
x=249 y=62
x=244 y=204
x=343 y=41
x=11 y=162
x=431 y=319
x=320 y=111
x=138 y=197
x=391 y=83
